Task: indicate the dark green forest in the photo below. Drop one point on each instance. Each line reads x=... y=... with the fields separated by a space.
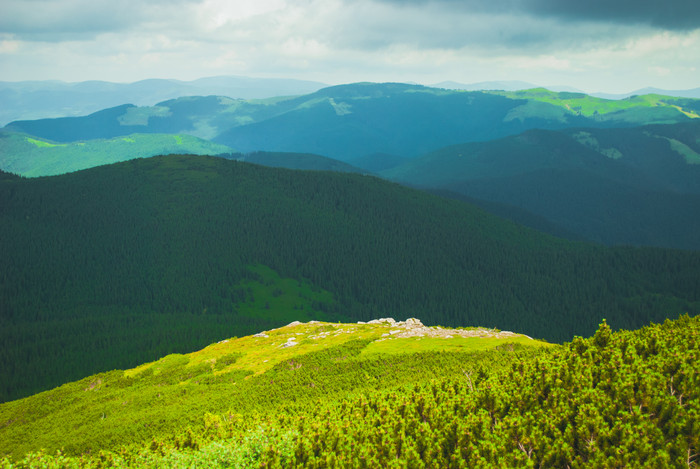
x=113 y=266
x=624 y=186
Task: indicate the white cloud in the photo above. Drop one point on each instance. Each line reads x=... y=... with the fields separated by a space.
x=339 y=41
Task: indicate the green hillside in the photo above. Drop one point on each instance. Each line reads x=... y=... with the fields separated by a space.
x=353 y=121
x=637 y=110
x=109 y=267
x=368 y=395
x=31 y=156
x=297 y=364
x=637 y=185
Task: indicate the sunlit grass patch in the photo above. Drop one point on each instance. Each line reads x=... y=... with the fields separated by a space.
x=43 y=143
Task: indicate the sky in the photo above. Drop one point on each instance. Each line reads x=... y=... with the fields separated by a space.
x=612 y=46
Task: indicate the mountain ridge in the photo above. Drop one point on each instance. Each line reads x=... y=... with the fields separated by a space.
x=165 y=247
x=635 y=185
x=46 y=99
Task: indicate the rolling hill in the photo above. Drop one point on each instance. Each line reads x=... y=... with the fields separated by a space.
x=31 y=157
x=304 y=161
x=638 y=185
x=112 y=266
x=352 y=121
x=47 y=99
x=177 y=390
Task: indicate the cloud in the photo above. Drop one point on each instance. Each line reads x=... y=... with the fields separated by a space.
x=61 y=20
x=682 y=15
x=334 y=41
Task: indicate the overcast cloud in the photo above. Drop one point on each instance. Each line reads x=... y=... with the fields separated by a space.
x=594 y=45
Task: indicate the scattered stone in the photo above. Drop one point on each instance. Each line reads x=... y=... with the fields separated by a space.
x=413 y=322
x=261 y=334
x=293 y=323
x=382 y=321
x=291 y=342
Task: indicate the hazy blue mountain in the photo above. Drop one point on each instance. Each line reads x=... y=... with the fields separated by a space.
x=636 y=185
x=303 y=161
x=377 y=162
x=42 y=99
x=352 y=121
x=692 y=93
x=508 y=85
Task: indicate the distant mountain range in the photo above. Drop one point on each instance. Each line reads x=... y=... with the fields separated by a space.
x=352 y=121
x=514 y=85
x=692 y=93
x=612 y=179
x=42 y=99
x=24 y=100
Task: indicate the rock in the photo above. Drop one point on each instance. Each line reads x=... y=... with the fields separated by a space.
x=291 y=342
x=413 y=322
x=293 y=323
x=382 y=321
x=260 y=334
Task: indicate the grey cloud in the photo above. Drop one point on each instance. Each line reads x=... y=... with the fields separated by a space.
x=51 y=20
x=433 y=26
x=666 y=14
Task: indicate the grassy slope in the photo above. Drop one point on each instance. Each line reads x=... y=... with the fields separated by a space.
x=31 y=156
x=650 y=106
x=255 y=373
x=624 y=399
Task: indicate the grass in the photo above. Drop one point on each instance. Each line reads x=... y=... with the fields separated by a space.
x=240 y=375
x=589 y=106
x=33 y=157
x=43 y=143
x=690 y=155
x=454 y=344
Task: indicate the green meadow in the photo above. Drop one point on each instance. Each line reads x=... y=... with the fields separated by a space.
x=32 y=156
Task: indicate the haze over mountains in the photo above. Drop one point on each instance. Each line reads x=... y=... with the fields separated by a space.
x=22 y=100
x=40 y=99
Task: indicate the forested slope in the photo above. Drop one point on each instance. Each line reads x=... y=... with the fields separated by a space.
x=293 y=366
x=617 y=399
x=631 y=186
x=108 y=267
